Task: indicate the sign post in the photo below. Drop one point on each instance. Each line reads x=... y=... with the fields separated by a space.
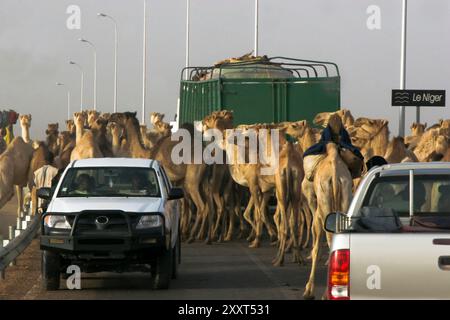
x=418 y=99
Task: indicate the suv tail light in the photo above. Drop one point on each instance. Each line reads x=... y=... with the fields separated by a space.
x=339 y=275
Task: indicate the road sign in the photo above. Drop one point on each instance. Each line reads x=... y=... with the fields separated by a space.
x=415 y=98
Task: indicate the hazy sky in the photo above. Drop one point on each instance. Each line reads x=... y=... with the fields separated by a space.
x=35 y=46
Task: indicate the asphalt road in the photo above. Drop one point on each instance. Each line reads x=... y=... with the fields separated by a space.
x=218 y=271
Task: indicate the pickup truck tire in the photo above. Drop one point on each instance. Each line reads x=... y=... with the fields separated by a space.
x=51 y=272
x=175 y=259
x=162 y=270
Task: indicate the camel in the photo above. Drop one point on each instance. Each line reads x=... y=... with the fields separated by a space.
x=188 y=175
x=156 y=117
x=3 y=144
x=66 y=144
x=70 y=126
x=86 y=145
x=92 y=116
x=346 y=116
x=25 y=123
x=397 y=152
x=98 y=128
x=117 y=132
x=371 y=136
x=14 y=165
x=41 y=157
x=52 y=137
x=302 y=132
x=432 y=142
x=333 y=189
x=288 y=177
x=417 y=130
x=245 y=175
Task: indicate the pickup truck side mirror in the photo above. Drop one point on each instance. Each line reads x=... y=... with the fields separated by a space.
x=44 y=193
x=176 y=193
x=333 y=221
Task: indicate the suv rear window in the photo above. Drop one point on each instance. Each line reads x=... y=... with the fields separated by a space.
x=110 y=182
x=431 y=194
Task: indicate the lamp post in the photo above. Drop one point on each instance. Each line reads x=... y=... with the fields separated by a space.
x=256 y=27
x=68 y=98
x=82 y=82
x=401 y=129
x=104 y=15
x=144 y=62
x=95 y=69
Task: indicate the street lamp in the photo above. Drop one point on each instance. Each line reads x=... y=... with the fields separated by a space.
x=68 y=99
x=95 y=69
x=82 y=82
x=104 y=15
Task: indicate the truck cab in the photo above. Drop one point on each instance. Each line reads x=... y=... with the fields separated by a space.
x=111 y=214
x=394 y=241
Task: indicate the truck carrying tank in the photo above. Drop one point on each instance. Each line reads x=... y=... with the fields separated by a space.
x=260 y=90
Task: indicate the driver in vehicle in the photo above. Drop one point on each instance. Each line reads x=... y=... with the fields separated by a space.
x=84 y=184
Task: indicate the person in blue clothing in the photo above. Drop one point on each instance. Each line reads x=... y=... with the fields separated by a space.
x=336 y=133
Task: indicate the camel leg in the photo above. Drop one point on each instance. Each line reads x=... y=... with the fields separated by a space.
x=247 y=217
x=317 y=232
x=296 y=255
x=218 y=200
x=265 y=218
x=255 y=194
x=34 y=201
x=230 y=231
x=200 y=205
x=308 y=222
x=283 y=227
x=19 y=193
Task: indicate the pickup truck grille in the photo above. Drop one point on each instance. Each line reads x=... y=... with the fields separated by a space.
x=116 y=222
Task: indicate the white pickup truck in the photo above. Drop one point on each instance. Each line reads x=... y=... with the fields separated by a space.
x=111 y=214
x=394 y=241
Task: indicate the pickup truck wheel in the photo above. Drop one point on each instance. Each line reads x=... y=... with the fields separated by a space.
x=162 y=271
x=176 y=252
x=51 y=273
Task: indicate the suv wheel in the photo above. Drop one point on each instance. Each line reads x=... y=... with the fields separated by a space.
x=51 y=264
x=162 y=270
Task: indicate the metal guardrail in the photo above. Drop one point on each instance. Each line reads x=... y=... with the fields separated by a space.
x=19 y=239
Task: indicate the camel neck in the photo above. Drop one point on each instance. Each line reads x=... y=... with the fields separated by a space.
x=26 y=134
x=79 y=133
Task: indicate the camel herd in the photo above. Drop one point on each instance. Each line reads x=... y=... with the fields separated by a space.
x=215 y=193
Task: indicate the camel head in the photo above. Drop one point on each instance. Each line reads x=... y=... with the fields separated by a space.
x=25 y=120
x=441 y=144
x=79 y=119
x=346 y=117
x=163 y=128
x=92 y=115
x=322 y=119
x=105 y=116
x=220 y=120
x=70 y=125
x=99 y=125
x=418 y=129
x=64 y=138
x=156 y=117
x=116 y=129
x=335 y=123
x=365 y=128
x=52 y=129
x=296 y=129
x=122 y=117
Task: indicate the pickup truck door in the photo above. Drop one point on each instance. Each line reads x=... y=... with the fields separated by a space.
x=172 y=208
x=400 y=266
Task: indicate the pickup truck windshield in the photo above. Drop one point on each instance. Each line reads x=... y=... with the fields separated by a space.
x=431 y=194
x=110 y=182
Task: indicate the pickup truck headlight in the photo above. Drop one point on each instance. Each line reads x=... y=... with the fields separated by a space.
x=149 y=221
x=56 y=221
